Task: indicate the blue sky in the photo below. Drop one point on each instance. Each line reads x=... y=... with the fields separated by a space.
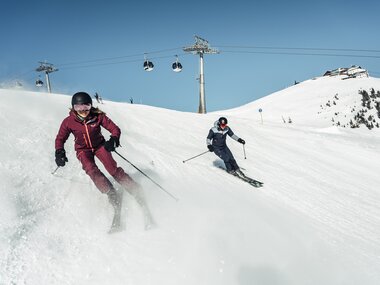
x=76 y=36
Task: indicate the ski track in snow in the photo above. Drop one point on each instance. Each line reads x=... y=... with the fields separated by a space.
x=340 y=212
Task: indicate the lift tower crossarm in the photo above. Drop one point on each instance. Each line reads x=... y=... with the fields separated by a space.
x=47 y=68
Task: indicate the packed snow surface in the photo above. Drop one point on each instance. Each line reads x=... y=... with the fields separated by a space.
x=315 y=221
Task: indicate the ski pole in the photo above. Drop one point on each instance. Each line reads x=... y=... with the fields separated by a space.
x=55 y=170
x=245 y=157
x=175 y=198
x=195 y=156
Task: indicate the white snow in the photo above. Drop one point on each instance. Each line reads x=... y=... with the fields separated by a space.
x=316 y=220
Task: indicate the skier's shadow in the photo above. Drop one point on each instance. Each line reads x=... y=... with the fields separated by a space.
x=219 y=163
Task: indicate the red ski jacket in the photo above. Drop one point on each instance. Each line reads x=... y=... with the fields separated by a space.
x=87 y=132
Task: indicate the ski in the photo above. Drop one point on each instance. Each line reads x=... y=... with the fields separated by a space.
x=249 y=180
x=116 y=220
x=239 y=174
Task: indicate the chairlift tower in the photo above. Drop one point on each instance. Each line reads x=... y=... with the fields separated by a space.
x=47 y=68
x=201 y=47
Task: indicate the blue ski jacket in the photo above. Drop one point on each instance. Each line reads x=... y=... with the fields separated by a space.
x=217 y=137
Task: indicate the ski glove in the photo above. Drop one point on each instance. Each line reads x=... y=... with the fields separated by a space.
x=60 y=157
x=112 y=143
x=241 y=141
x=210 y=148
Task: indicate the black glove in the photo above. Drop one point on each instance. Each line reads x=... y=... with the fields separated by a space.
x=210 y=148
x=112 y=143
x=60 y=157
x=241 y=141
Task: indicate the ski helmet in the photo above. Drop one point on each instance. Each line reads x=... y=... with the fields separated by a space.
x=81 y=98
x=223 y=121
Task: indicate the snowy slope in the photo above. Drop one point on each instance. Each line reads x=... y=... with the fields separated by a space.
x=307 y=102
x=316 y=221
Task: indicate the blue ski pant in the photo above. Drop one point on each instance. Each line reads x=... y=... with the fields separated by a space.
x=226 y=155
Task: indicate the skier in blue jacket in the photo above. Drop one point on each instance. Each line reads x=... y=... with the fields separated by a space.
x=216 y=142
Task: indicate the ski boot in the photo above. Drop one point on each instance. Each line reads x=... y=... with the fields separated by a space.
x=239 y=173
x=114 y=198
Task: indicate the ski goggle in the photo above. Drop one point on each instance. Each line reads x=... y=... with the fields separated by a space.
x=82 y=107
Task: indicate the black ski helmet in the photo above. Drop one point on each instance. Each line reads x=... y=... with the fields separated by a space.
x=223 y=121
x=81 y=98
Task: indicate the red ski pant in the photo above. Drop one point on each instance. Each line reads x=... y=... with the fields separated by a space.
x=87 y=158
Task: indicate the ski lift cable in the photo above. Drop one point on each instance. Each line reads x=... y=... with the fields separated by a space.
x=305 y=54
x=223 y=46
x=301 y=48
x=101 y=61
x=115 y=62
x=118 y=57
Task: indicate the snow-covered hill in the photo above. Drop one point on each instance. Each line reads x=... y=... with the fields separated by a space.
x=319 y=102
x=316 y=221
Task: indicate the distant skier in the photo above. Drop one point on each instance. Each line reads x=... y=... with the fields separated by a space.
x=100 y=99
x=216 y=142
x=85 y=122
x=97 y=97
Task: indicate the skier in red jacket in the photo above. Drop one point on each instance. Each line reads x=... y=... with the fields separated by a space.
x=85 y=122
